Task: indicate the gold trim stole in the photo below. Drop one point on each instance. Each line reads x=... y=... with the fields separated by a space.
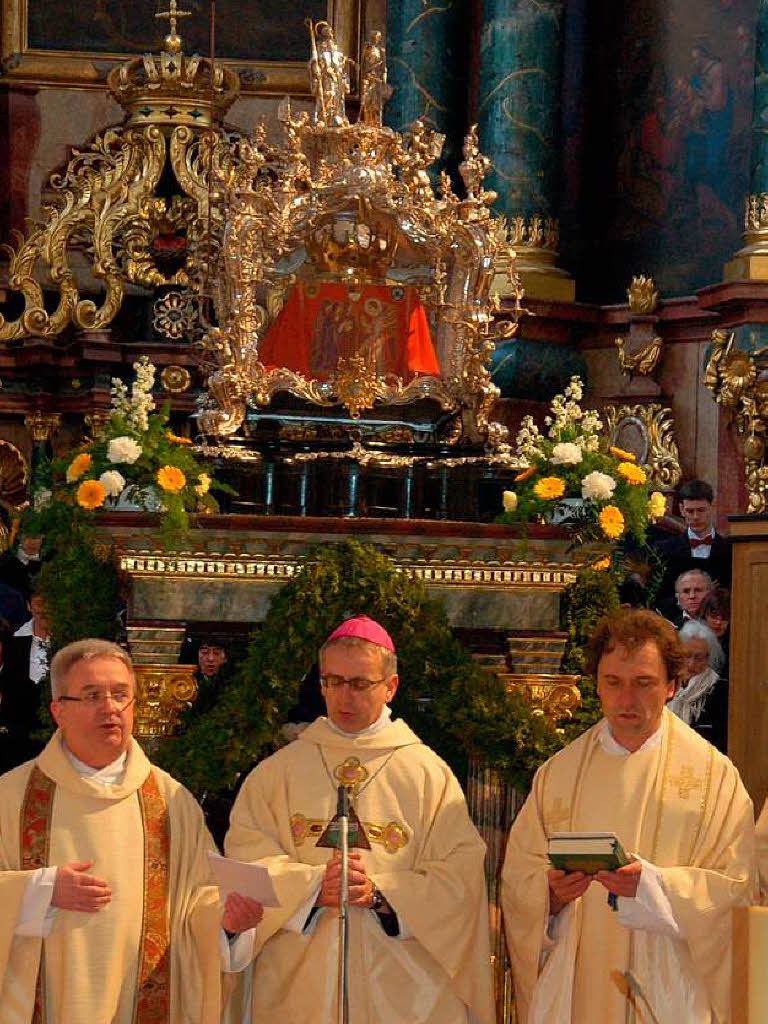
x=153 y=998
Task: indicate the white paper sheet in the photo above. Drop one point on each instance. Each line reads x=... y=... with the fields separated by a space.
x=246 y=879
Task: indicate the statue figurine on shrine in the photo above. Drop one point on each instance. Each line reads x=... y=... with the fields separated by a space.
x=374 y=90
x=328 y=76
x=474 y=168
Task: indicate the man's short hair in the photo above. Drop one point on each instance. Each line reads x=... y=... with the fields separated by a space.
x=695 y=630
x=85 y=650
x=694 y=572
x=388 y=658
x=631 y=628
x=696 y=490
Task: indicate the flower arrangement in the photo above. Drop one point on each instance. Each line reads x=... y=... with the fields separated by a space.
x=136 y=456
x=572 y=461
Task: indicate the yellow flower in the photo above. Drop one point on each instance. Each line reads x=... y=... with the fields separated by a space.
x=601 y=564
x=525 y=475
x=657 y=505
x=79 y=465
x=632 y=474
x=611 y=522
x=549 y=487
x=621 y=454
x=203 y=484
x=171 y=479
x=176 y=439
x=90 y=494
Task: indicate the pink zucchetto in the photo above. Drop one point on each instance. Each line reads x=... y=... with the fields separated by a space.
x=364 y=629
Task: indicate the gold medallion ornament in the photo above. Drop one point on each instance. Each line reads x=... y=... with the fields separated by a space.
x=175 y=379
x=350 y=773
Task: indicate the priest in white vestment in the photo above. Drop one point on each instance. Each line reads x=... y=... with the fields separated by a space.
x=418 y=919
x=108 y=914
x=679 y=809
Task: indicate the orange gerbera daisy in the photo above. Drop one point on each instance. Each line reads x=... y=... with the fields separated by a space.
x=90 y=494
x=176 y=439
x=611 y=522
x=601 y=564
x=79 y=465
x=549 y=487
x=632 y=474
x=621 y=454
x=171 y=479
x=525 y=475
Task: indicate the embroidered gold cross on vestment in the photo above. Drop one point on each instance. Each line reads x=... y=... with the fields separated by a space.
x=686 y=782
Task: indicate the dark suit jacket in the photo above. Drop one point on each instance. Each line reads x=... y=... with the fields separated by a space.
x=20 y=705
x=676 y=552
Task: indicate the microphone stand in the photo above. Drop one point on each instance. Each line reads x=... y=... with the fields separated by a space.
x=636 y=989
x=342 y=813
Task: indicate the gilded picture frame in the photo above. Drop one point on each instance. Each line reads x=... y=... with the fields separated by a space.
x=55 y=64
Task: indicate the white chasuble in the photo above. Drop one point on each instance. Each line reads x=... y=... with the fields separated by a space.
x=680 y=806
x=151 y=955
x=425 y=856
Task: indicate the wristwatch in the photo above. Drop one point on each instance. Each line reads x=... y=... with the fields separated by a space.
x=377 y=900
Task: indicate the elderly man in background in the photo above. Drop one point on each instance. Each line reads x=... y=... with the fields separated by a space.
x=691 y=588
x=108 y=914
x=418 y=919
x=588 y=948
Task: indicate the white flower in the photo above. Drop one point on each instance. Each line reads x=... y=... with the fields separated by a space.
x=203 y=484
x=566 y=453
x=509 y=498
x=112 y=482
x=123 y=449
x=597 y=485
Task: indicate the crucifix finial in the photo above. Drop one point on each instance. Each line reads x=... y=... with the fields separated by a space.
x=172 y=40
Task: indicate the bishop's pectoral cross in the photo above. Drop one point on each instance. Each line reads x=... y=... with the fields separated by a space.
x=356 y=836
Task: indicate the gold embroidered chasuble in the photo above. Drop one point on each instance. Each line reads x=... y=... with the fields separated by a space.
x=425 y=856
x=682 y=807
x=149 y=957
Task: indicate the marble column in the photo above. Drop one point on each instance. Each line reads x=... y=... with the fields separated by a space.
x=751 y=262
x=427 y=46
x=521 y=57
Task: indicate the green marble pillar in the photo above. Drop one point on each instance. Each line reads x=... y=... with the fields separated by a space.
x=751 y=262
x=521 y=58
x=427 y=47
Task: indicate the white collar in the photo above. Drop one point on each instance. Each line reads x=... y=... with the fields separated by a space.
x=692 y=535
x=370 y=730
x=611 y=745
x=109 y=775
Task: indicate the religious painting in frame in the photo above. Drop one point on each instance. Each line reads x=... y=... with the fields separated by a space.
x=72 y=43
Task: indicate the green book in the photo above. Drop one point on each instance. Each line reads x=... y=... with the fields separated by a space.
x=588 y=852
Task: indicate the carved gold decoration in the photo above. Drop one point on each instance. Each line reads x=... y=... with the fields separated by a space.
x=105 y=203
x=173 y=316
x=162 y=692
x=358 y=201
x=96 y=420
x=644 y=362
x=536 y=232
x=175 y=379
x=739 y=381
x=14 y=476
x=642 y=295
x=555 y=696
x=42 y=425
x=655 y=423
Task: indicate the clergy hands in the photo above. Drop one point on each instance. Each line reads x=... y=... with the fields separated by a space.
x=623 y=881
x=241 y=913
x=565 y=887
x=359 y=885
x=76 y=890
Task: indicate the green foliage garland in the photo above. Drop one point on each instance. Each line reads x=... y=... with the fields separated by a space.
x=452 y=703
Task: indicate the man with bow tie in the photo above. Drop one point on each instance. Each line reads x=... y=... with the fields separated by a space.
x=701 y=547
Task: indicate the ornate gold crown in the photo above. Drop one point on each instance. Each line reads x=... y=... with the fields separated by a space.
x=173 y=88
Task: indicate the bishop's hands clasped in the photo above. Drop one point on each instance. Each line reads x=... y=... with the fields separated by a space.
x=360 y=886
x=564 y=887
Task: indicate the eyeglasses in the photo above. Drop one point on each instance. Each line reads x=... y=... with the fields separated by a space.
x=93 y=699
x=357 y=684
